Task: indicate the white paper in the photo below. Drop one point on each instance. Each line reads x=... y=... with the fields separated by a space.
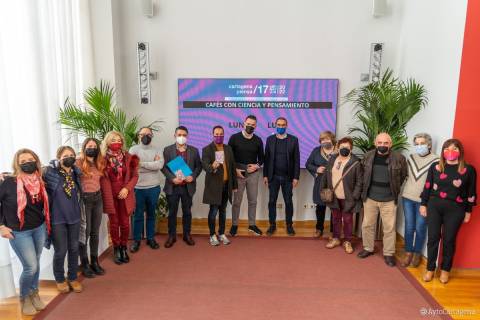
x=219 y=156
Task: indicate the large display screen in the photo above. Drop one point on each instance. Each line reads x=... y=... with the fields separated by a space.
x=309 y=105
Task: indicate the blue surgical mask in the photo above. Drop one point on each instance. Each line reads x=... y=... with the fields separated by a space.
x=421 y=149
x=281 y=130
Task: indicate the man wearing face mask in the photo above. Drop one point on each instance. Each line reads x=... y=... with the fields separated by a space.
x=147 y=189
x=247 y=149
x=281 y=170
x=384 y=173
x=180 y=188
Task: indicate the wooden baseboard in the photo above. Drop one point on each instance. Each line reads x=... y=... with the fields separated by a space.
x=200 y=226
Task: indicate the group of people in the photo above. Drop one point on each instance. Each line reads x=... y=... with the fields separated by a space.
x=63 y=204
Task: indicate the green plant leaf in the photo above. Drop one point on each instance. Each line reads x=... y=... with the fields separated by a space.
x=385 y=106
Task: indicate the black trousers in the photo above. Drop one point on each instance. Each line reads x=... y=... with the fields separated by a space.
x=93 y=212
x=320 y=212
x=65 y=240
x=180 y=193
x=222 y=213
x=287 y=191
x=449 y=215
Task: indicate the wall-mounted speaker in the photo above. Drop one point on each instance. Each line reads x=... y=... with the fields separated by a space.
x=143 y=60
x=379 y=8
x=147 y=8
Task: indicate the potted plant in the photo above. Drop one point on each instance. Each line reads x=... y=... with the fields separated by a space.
x=100 y=115
x=386 y=105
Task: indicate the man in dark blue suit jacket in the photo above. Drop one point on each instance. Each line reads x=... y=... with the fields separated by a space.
x=179 y=188
x=281 y=169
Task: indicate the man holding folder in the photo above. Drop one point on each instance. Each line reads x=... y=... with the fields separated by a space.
x=183 y=166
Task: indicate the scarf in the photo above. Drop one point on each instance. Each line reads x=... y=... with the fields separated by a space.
x=36 y=189
x=68 y=183
x=115 y=163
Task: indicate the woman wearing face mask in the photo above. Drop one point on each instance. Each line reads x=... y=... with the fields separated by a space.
x=416 y=225
x=220 y=183
x=316 y=164
x=24 y=219
x=448 y=198
x=62 y=179
x=343 y=175
x=117 y=185
x=92 y=164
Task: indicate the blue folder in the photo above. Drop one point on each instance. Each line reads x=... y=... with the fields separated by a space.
x=179 y=164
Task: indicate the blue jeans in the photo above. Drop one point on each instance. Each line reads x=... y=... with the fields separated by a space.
x=146 y=199
x=415 y=226
x=28 y=246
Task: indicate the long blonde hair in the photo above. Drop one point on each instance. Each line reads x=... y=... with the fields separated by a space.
x=108 y=139
x=16 y=163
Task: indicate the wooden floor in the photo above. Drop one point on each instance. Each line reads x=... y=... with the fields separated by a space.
x=461 y=296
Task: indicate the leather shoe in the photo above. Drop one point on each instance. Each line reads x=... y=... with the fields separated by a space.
x=153 y=244
x=124 y=254
x=188 y=240
x=117 y=255
x=86 y=270
x=95 y=266
x=170 y=241
x=407 y=259
x=364 y=254
x=135 y=246
x=389 y=261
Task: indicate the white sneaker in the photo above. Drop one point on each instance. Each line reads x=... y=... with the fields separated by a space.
x=224 y=239
x=214 y=241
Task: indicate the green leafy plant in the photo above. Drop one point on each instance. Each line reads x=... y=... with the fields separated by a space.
x=385 y=106
x=100 y=115
x=161 y=210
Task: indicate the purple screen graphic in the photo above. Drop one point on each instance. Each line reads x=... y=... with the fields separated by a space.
x=309 y=105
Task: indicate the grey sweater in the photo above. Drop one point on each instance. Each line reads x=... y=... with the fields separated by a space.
x=149 y=170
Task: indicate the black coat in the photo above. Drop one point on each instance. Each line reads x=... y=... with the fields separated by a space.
x=212 y=194
x=314 y=161
x=193 y=161
x=352 y=184
x=397 y=172
x=293 y=158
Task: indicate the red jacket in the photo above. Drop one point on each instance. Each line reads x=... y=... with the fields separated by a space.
x=130 y=178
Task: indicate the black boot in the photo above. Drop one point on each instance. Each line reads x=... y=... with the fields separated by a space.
x=124 y=255
x=95 y=266
x=117 y=255
x=86 y=271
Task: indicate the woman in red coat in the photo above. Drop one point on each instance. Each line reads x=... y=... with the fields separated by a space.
x=117 y=184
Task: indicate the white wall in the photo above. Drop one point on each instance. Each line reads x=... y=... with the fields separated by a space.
x=429 y=50
x=216 y=38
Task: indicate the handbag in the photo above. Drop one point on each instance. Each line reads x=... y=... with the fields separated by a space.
x=326 y=194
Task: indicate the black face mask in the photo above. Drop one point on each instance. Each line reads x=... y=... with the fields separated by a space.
x=29 y=167
x=249 y=129
x=68 y=162
x=91 y=152
x=327 y=145
x=344 y=152
x=146 y=140
x=382 y=149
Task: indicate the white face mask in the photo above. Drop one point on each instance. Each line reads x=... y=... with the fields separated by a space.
x=181 y=140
